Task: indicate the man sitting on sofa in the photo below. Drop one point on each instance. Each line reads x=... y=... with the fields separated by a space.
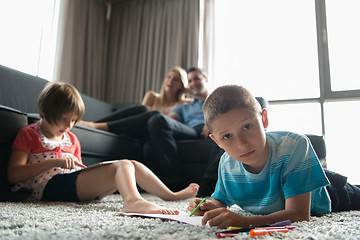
x=185 y=122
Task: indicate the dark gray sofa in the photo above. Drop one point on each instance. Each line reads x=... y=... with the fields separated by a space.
x=18 y=107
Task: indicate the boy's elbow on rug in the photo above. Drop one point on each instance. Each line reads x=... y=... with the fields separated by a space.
x=300 y=217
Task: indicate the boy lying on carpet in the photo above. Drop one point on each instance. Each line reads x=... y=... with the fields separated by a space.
x=274 y=174
x=46 y=158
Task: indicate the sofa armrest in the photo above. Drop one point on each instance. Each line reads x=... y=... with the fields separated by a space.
x=319 y=146
x=262 y=101
x=11 y=121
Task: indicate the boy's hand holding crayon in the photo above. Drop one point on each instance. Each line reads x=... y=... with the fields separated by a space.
x=200 y=206
x=214 y=214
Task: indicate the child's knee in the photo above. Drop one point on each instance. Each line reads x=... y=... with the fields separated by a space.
x=122 y=163
x=134 y=162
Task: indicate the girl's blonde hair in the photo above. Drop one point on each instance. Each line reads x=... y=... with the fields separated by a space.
x=179 y=95
x=58 y=98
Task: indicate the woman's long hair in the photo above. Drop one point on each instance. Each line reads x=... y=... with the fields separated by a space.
x=179 y=95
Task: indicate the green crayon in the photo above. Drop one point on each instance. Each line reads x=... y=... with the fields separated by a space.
x=197 y=207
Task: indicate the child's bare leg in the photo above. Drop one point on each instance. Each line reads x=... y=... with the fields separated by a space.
x=104 y=180
x=133 y=202
x=101 y=125
x=148 y=181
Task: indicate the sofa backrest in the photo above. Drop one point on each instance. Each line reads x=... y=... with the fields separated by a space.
x=95 y=109
x=20 y=91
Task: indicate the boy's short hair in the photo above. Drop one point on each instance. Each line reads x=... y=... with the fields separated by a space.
x=225 y=98
x=193 y=69
x=58 y=98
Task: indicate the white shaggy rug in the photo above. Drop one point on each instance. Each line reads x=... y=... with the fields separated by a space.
x=101 y=220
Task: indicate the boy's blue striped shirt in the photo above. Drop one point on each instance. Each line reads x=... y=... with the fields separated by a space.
x=292 y=169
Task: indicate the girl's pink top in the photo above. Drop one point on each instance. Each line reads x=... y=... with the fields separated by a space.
x=31 y=140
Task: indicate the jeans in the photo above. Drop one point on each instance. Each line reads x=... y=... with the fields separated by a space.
x=343 y=195
x=163 y=132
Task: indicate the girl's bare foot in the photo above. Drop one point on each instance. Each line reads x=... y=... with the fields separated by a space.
x=188 y=192
x=143 y=206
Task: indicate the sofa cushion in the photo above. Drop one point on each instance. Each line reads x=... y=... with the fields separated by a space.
x=98 y=145
x=195 y=155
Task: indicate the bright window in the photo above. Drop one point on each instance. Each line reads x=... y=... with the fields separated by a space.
x=343 y=40
x=342 y=138
x=28 y=35
x=304 y=118
x=270 y=47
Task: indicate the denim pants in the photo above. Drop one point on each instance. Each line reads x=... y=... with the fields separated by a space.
x=343 y=195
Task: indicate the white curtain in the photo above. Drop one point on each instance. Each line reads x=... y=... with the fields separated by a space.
x=207 y=37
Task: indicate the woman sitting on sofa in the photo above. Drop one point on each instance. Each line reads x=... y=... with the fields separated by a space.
x=132 y=120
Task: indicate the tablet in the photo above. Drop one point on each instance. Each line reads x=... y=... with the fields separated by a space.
x=98 y=165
